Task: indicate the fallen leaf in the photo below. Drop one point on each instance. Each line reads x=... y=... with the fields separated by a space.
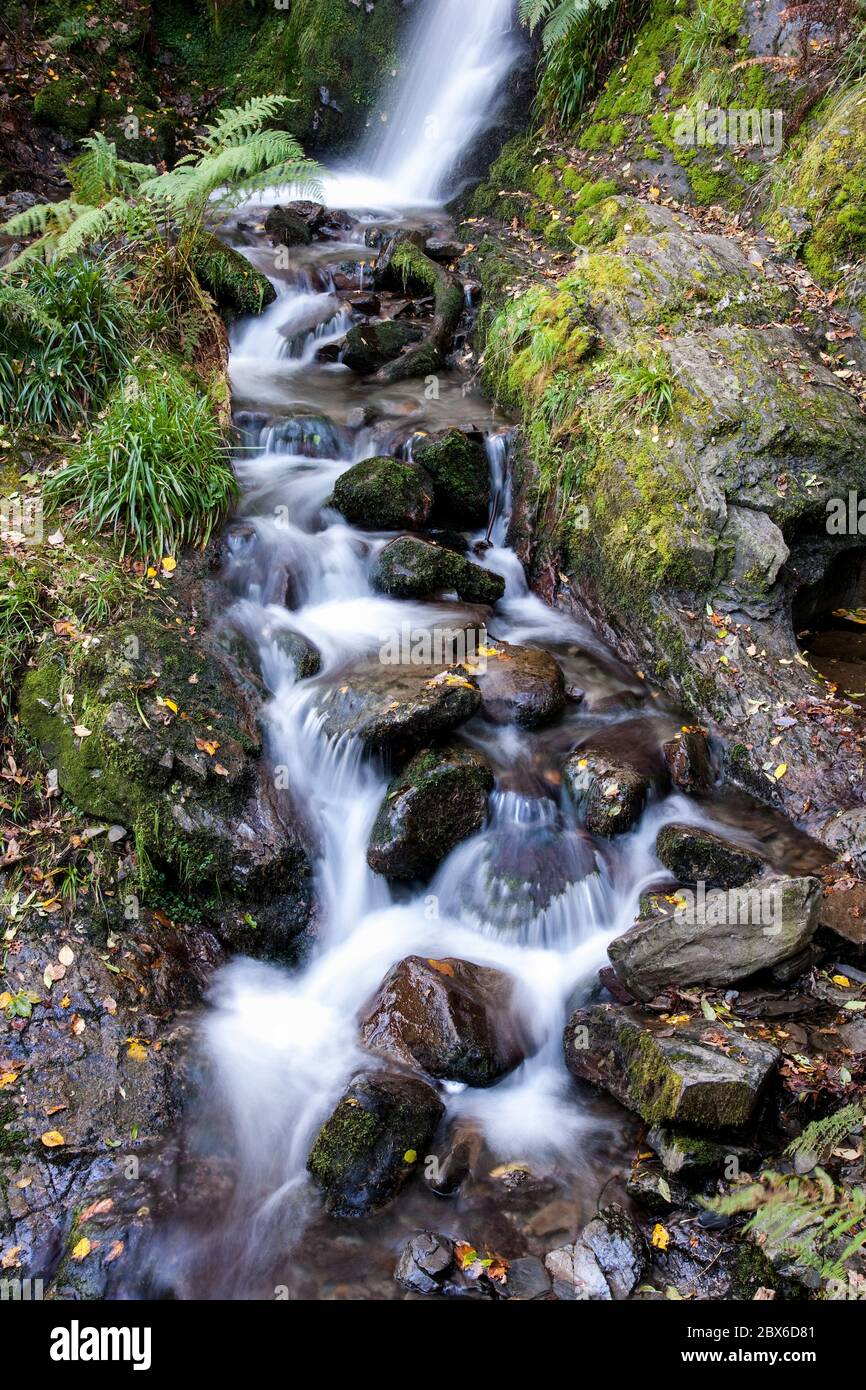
x=53 y=1139
x=82 y=1249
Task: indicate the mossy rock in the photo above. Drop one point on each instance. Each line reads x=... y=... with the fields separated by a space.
x=461 y=477
x=373 y=1141
x=439 y=799
x=412 y=568
x=695 y=855
x=235 y=285
x=668 y=1076
x=385 y=494
x=370 y=345
x=69 y=105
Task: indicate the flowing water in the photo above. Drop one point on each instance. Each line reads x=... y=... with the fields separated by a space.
x=531 y=893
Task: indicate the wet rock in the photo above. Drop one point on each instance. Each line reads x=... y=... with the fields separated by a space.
x=520 y=685
x=651 y=1187
x=443 y=249
x=619 y=1249
x=453 y=1019
x=696 y=1156
x=370 y=345
x=364 y=302
x=576 y=1274
x=695 y=855
x=399 y=707
x=689 y=761
x=412 y=568
x=668 y=1074
x=404 y=266
x=425 y=1263
x=235 y=285
x=718 y=938
x=373 y=1141
x=384 y=494
x=842 y=910
x=526 y=1280
x=460 y=1152
x=439 y=799
x=608 y=789
x=289 y=225
x=461 y=476
x=302 y=654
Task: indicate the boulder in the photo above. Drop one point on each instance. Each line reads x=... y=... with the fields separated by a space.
x=399 y=707
x=519 y=685
x=384 y=494
x=608 y=788
x=691 y=1074
x=439 y=799
x=607 y=1261
x=461 y=476
x=303 y=655
x=234 y=284
x=696 y=855
x=717 y=938
x=294 y=224
x=373 y=1141
x=412 y=568
x=695 y=1155
x=425 y=1263
x=370 y=345
x=453 y=1019
x=689 y=761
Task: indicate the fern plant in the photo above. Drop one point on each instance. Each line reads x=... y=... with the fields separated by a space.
x=580 y=40
x=236 y=157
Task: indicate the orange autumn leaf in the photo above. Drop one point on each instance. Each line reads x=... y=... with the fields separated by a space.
x=53 y=1139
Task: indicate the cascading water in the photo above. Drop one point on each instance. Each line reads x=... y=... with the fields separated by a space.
x=531 y=893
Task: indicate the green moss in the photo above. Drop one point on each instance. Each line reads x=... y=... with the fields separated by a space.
x=236 y=286
x=68 y=104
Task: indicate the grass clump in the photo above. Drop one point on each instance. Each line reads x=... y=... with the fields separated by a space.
x=645 y=388
x=154 y=469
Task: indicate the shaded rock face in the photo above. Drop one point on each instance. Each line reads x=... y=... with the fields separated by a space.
x=371 y=1144
x=384 y=494
x=411 y=568
x=606 y=1262
x=370 y=345
x=682 y=1078
x=725 y=937
x=520 y=685
x=461 y=476
x=453 y=1019
x=439 y=799
x=695 y=855
x=696 y=1156
x=399 y=707
x=190 y=779
x=294 y=224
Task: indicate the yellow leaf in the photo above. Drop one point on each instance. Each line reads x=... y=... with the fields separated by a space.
x=661 y=1237
x=170 y=704
x=780 y=771
x=82 y=1249
x=169 y=564
x=53 y=1139
x=8 y=1078
x=410 y=1156
x=442 y=966
x=841 y=980
x=136 y=1050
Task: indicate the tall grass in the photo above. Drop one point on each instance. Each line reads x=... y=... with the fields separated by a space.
x=581 y=38
x=154 y=469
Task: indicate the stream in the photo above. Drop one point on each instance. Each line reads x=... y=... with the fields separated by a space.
x=531 y=893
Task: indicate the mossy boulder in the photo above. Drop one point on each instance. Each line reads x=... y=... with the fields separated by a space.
x=404 y=265
x=373 y=1142
x=453 y=1019
x=384 y=494
x=370 y=345
x=696 y=855
x=461 y=477
x=412 y=568
x=439 y=799
x=695 y=1155
x=611 y=774
x=149 y=730
x=668 y=1076
x=235 y=285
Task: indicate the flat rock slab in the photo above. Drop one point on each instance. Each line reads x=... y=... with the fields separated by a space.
x=453 y=1019
x=694 y=1074
x=719 y=937
x=399 y=706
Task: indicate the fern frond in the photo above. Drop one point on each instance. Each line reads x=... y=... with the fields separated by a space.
x=236 y=124
x=41 y=218
x=91 y=224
